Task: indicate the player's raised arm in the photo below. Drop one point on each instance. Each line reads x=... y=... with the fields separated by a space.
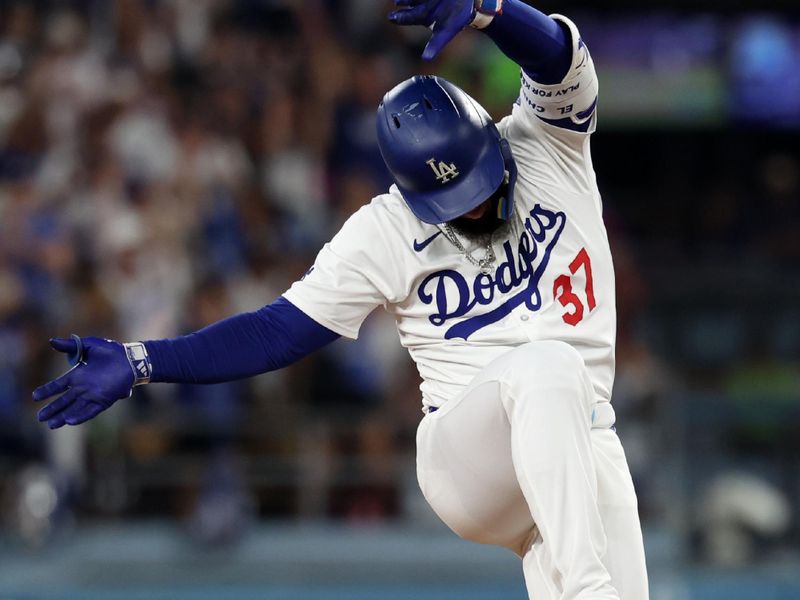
x=559 y=84
x=537 y=43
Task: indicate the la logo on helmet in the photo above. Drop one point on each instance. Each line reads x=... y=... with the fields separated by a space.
x=443 y=171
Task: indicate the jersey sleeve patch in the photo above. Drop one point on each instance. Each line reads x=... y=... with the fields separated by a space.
x=581 y=124
x=572 y=103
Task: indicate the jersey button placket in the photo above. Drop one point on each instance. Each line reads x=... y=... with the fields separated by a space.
x=528 y=327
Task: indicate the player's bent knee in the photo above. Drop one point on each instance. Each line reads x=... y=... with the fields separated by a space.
x=540 y=373
x=543 y=361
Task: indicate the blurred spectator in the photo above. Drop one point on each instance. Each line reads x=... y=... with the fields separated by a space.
x=740 y=519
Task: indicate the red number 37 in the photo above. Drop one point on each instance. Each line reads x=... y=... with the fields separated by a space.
x=562 y=290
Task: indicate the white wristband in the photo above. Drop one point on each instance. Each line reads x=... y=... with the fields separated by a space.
x=140 y=362
x=485 y=11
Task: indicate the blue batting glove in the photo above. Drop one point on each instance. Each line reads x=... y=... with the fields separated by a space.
x=446 y=17
x=104 y=371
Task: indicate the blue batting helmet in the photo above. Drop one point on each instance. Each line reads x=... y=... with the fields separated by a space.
x=442 y=149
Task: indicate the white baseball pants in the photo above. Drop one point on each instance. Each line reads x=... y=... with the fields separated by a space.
x=525 y=459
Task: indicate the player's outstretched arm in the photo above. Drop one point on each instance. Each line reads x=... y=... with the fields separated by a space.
x=539 y=44
x=105 y=371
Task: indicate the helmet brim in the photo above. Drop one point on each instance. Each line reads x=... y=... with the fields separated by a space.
x=460 y=196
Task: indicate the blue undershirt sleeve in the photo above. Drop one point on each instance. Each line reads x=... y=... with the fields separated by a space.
x=240 y=346
x=537 y=43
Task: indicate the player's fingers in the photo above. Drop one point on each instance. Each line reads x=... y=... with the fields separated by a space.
x=51 y=388
x=70 y=346
x=73 y=347
x=439 y=39
x=418 y=15
x=57 y=405
x=57 y=421
x=82 y=411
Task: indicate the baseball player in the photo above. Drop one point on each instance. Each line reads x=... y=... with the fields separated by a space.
x=491 y=253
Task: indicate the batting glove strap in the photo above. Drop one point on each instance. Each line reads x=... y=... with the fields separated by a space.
x=140 y=362
x=485 y=11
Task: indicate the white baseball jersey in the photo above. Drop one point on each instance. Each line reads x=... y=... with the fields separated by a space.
x=552 y=279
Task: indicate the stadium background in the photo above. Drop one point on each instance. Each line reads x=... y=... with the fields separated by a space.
x=165 y=163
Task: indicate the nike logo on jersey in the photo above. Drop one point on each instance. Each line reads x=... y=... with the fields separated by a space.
x=521 y=272
x=420 y=246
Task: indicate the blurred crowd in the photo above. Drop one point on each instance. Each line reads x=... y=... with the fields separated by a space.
x=166 y=163
x=162 y=165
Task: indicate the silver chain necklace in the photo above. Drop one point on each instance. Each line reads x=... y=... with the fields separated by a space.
x=485 y=264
